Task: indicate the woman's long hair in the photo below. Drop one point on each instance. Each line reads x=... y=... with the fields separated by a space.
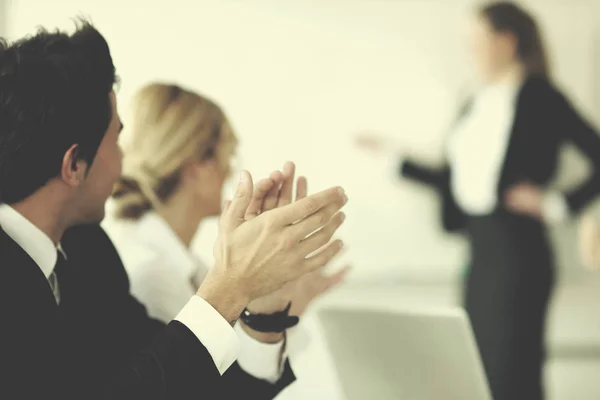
x=507 y=17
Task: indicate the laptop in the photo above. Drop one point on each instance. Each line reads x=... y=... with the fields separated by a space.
x=418 y=354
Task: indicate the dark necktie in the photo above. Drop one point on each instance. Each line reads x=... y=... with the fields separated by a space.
x=63 y=275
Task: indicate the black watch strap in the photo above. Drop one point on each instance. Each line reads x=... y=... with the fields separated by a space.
x=269 y=323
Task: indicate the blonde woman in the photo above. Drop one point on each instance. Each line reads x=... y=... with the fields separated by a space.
x=174 y=168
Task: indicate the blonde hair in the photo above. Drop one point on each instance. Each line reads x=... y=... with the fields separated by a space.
x=170 y=126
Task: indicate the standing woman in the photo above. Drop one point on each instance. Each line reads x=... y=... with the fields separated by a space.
x=501 y=154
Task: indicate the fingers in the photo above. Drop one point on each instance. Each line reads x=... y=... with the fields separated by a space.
x=270 y=200
x=321 y=237
x=301 y=188
x=521 y=200
x=337 y=278
x=224 y=211
x=366 y=139
x=303 y=208
x=514 y=197
x=287 y=187
x=514 y=194
x=319 y=283
x=317 y=225
x=521 y=189
x=324 y=256
x=370 y=142
x=226 y=206
x=516 y=188
x=511 y=201
x=234 y=215
x=260 y=192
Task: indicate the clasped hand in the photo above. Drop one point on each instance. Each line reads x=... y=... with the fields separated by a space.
x=266 y=243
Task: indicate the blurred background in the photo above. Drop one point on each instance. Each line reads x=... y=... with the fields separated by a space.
x=299 y=80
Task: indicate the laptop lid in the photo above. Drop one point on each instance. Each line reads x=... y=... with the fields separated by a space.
x=416 y=354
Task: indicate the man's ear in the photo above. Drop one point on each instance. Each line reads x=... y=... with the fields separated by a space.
x=73 y=169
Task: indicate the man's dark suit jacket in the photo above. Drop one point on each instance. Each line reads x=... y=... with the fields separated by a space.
x=544 y=121
x=100 y=343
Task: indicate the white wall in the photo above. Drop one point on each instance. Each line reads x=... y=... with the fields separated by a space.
x=300 y=78
x=3 y=18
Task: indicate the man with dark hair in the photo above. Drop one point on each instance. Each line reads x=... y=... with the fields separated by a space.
x=71 y=330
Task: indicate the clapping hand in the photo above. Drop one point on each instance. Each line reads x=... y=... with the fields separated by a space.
x=301 y=292
x=258 y=256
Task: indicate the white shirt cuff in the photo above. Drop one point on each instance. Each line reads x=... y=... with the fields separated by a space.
x=261 y=360
x=212 y=330
x=298 y=340
x=392 y=163
x=554 y=208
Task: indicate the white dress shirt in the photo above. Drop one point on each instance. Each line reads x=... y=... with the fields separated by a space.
x=202 y=319
x=477 y=149
x=36 y=243
x=164 y=274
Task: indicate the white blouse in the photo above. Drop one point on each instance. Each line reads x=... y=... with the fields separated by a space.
x=477 y=150
x=164 y=275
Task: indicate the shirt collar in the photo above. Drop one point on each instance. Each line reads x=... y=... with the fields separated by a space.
x=29 y=237
x=502 y=88
x=154 y=230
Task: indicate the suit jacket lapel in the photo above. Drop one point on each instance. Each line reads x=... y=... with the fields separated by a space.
x=25 y=285
x=517 y=142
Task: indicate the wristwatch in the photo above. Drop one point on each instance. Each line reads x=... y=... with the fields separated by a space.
x=270 y=323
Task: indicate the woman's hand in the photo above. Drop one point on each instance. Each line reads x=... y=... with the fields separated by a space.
x=374 y=143
x=277 y=191
x=589 y=241
x=307 y=288
x=311 y=286
x=526 y=199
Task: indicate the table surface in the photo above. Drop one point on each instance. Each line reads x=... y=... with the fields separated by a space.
x=573 y=336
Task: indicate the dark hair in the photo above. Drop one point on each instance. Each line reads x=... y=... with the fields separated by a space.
x=54 y=93
x=507 y=17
